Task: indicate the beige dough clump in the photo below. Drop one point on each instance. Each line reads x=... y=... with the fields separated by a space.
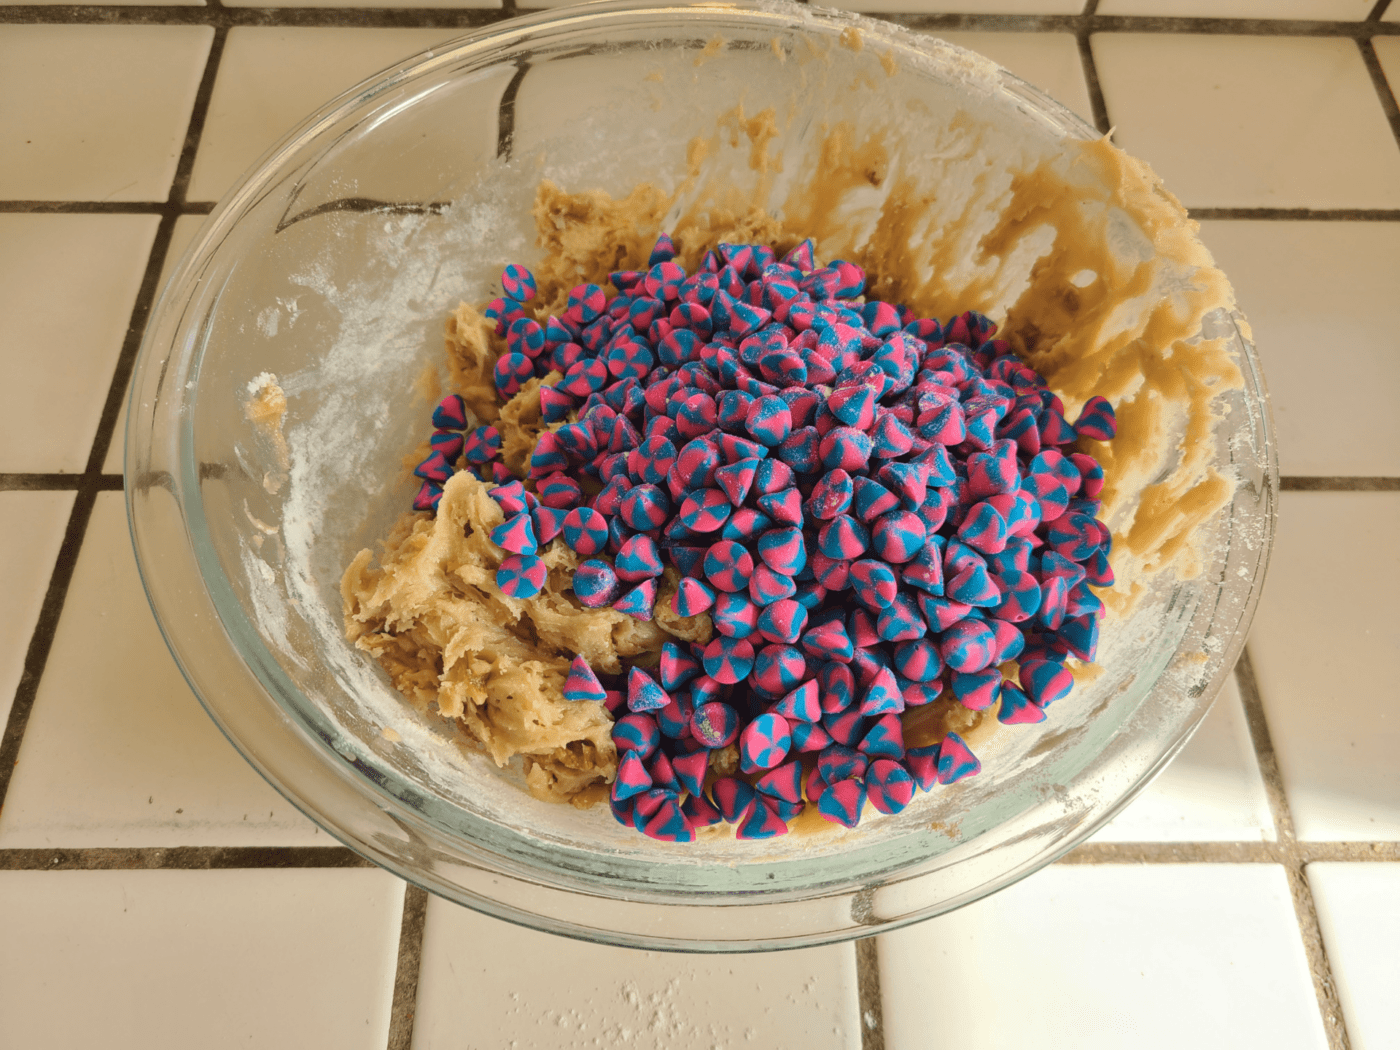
x=455 y=646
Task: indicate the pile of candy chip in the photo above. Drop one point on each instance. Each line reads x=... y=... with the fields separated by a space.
x=875 y=509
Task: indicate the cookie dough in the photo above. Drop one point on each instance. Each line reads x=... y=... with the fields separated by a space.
x=1090 y=317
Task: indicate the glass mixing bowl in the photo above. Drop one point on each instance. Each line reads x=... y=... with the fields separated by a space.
x=333 y=265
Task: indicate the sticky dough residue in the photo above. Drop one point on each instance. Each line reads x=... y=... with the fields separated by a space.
x=265 y=409
x=1090 y=265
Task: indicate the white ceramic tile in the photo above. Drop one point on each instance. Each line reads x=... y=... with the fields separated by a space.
x=185 y=228
x=1290 y=279
x=485 y=983
x=1211 y=792
x=1326 y=10
x=1241 y=121
x=67 y=286
x=989 y=7
x=1081 y=957
x=96 y=112
x=270 y=79
x=118 y=751
x=1358 y=908
x=1049 y=61
x=32 y=524
x=275 y=959
x=1323 y=636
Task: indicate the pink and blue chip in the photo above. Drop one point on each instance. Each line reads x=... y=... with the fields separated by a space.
x=559 y=490
x=643 y=692
x=889 y=786
x=595 y=583
x=637 y=732
x=769 y=420
x=897 y=536
x=582 y=684
x=482 y=445
x=518 y=283
x=586 y=303
x=764 y=743
x=632 y=777
x=956 y=760
x=525 y=336
x=1097 y=420
x=692 y=598
x=516 y=534
x=976 y=690
x=783 y=550
x=873 y=583
x=715 y=724
x=843 y=801
x=448 y=442
x=585 y=531
x=968 y=645
x=778 y=668
x=728 y=566
x=435 y=469
x=843 y=538
x=728 y=660
x=705 y=510
x=638 y=559
x=733 y=797
x=782 y=621
x=428 y=497
x=450 y=413
x=512 y=371
x=669 y=823
x=521 y=576
x=639 y=602
x=1045 y=681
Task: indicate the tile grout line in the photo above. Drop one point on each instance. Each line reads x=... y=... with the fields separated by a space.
x=57 y=482
x=1378 y=12
x=1298 y=214
x=1293 y=858
x=179 y=858
x=290 y=16
x=150 y=285
x=92 y=481
x=1091 y=81
x=869 y=1003
x=410 y=961
x=41 y=640
x=1239 y=852
x=1379 y=81
x=1295 y=483
x=205 y=858
x=466 y=18
x=1155 y=24
x=100 y=207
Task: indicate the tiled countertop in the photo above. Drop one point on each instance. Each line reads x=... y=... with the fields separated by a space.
x=155 y=892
